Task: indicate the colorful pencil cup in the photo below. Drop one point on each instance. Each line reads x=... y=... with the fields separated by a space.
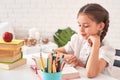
x=51 y=76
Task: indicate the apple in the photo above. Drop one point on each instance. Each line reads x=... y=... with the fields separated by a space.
x=7 y=36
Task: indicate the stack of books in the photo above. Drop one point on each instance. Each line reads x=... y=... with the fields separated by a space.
x=11 y=54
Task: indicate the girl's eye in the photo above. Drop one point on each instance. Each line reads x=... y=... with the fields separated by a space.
x=79 y=25
x=86 y=26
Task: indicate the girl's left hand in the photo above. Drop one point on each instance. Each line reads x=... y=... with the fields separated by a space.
x=71 y=59
x=94 y=40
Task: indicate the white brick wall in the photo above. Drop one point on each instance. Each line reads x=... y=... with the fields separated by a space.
x=49 y=15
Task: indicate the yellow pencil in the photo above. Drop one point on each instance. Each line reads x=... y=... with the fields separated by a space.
x=42 y=64
x=54 y=67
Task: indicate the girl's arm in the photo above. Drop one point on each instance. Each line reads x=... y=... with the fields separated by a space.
x=95 y=65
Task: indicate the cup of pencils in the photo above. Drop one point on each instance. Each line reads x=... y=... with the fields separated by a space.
x=51 y=76
x=53 y=69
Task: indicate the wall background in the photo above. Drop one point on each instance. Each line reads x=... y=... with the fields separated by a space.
x=49 y=15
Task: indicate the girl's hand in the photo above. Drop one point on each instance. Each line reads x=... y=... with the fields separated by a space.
x=71 y=59
x=94 y=40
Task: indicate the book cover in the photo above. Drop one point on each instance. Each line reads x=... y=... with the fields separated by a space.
x=9 y=52
x=9 y=66
x=14 y=44
x=10 y=59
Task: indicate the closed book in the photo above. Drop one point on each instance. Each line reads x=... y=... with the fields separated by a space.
x=14 y=44
x=70 y=72
x=10 y=59
x=16 y=64
x=9 y=52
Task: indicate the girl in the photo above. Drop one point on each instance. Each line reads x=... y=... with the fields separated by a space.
x=88 y=49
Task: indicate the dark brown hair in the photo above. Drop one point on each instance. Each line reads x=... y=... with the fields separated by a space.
x=98 y=14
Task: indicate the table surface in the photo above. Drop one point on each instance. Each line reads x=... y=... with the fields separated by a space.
x=24 y=72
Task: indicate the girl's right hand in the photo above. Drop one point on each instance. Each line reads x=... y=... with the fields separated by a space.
x=73 y=60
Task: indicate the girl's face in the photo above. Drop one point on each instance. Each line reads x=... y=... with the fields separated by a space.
x=87 y=26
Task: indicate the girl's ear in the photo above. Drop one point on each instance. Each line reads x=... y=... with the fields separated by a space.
x=101 y=26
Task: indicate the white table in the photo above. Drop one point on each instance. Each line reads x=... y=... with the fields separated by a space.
x=26 y=73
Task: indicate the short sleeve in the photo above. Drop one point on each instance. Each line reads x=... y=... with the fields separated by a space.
x=71 y=46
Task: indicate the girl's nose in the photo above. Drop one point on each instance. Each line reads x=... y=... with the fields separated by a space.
x=81 y=29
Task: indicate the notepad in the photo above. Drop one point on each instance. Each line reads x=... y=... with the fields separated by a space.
x=70 y=72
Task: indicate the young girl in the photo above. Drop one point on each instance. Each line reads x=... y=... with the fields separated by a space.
x=88 y=49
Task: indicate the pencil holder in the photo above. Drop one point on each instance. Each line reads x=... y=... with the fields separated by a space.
x=51 y=76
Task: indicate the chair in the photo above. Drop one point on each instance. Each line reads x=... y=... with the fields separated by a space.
x=117 y=56
x=115 y=71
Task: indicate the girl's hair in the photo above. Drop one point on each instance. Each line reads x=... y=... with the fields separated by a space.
x=98 y=14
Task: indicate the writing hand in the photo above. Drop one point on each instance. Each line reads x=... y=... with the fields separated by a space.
x=73 y=60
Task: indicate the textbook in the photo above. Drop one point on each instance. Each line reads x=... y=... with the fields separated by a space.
x=70 y=72
x=9 y=66
x=10 y=59
x=9 y=52
x=14 y=44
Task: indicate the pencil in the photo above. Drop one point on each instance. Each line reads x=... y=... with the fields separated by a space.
x=42 y=64
x=54 y=67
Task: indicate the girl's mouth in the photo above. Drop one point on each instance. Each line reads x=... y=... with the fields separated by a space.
x=83 y=35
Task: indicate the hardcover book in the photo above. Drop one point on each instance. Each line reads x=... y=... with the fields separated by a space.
x=14 y=44
x=9 y=52
x=10 y=59
x=9 y=66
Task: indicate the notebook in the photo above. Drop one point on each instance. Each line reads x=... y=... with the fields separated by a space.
x=70 y=72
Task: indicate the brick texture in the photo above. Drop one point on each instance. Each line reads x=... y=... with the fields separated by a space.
x=49 y=15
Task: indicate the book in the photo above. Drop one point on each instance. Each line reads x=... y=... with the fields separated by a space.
x=9 y=52
x=14 y=44
x=16 y=64
x=10 y=59
x=70 y=72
